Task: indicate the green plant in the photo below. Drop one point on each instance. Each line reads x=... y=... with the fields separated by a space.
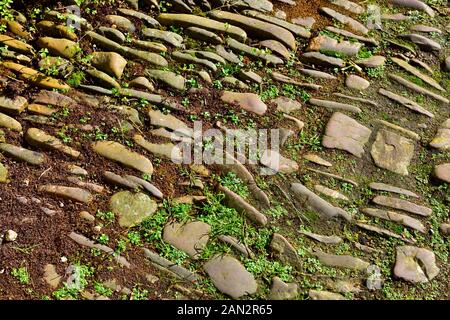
x=5 y=9
x=234 y=183
x=102 y=290
x=21 y=274
x=105 y=215
x=139 y=294
x=103 y=239
x=134 y=237
x=76 y=78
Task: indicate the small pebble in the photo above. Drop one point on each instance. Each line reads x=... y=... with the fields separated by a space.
x=11 y=235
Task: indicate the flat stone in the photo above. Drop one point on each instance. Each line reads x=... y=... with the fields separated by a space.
x=191 y=237
x=366 y=101
x=59 y=47
x=157 y=118
x=53 y=29
x=70 y=193
x=149 y=45
x=441 y=140
x=414 y=4
x=282 y=291
x=253 y=51
x=317 y=160
x=402 y=219
x=113 y=34
x=425 y=29
x=13 y=106
x=392 y=152
x=171 y=38
x=153 y=190
x=341 y=261
x=284 y=251
x=247 y=101
x=407 y=266
x=405 y=102
x=132 y=208
x=171 y=79
x=322 y=59
x=10 y=123
x=142 y=83
x=349 y=6
x=117 y=180
x=442 y=172
x=277 y=47
x=51 y=277
x=237 y=202
x=330 y=192
x=350 y=22
x=54 y=98
x=310 y=200
x=230 y=276
x=356 y=82
x=249 y=76
x=16 y=45
x=117 y=152
x=383 y=232
x=307 y=22
x=285 y=104
x=404 y=205
x=236 y=244
x=345 y=133
x=188 y=58
x=385 y=187
x=3 y=173
x=326 y=44
x=22 y=154
x=139 y=15
x=402 y=130
x=256 y=28
x=167 y=150
x=372 y=62
x=190 y=20
x=423 y=42
x=276 y=162
x=203 y=35
x=110 y=62
x=325 y=295
x=333 y=105
x=121 y=23
x=414 y=87
x=41 y=139
x=321 y=238
x=317 y=74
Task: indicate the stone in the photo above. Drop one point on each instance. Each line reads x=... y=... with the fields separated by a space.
x=416 y=265
x=402 y=130
x=3 y=173
x=392 y=152
x=142 y=83
x=317 y=74
x=317 y=160
x=442 y=172
x=330 y=192
x=253 y=51
x=10 y=235
x=311 y=200
x=247 y=101
x=402 y=219
x=59 y=47
x=192 y=59
x=236 y=244
x=349 y=6
x=425 y=29
x=115 y=179
x=146 y=185
x=388 y=188
x=132 y=208
x=284 y=251
x=282 y=291
x=189 y=20
x=228 y=55
x=383 y=232
x=56 y=30
x=322 y=59
x=276 y=162
x=237 y=202
x=51 y=277
x=54 y=98
x=10 y=123
x=285 y=104
x=405 y=102
x=341 y=261
x=325 y=295
x=414 y=4
x=333 y=105
x=70 y=193
x=171 y=79
x=22 y=154
x=350 y=22
x=276 y=47
x=13 y=106
x=16 y=45
x=307 y=22
x=157 y=118
x=171 y=38
x=139 y=15
x=357 y=83
x=203 y=35
x=441 y=140
x=321 y=238
x=257 y=28
x=423 y=42
x=113 y=34
x=372 y=62
x=110 y=62
x=230 y=276
x=87 y=216
x=404 y=205
x=326 y=45
x=191 y=237
x=41 y=139
x=121 y=23
x=345 y=133
x=117 y=152
x=103 y=78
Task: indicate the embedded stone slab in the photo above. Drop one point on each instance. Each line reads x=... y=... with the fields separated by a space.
x=41 y=139
x=333 y=105
x=247 y=101
x=404 y=205
x=13 y=106
x=408 y=268
x=345 y=133
x=132 y=208
x=230 y=276
x=322 y=238
x=191 y=237
x=341 y=261
x=119 y=153
x=385 y=187
x=406 y=66
x=405 y=102
x=441 y=140
x=22 y=154
x=282 y=291
x=392 y=152
x=70 y=193
x=276 y=162
x=402 y=219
